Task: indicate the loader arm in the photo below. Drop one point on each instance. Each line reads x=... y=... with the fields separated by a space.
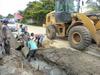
x=87 y=23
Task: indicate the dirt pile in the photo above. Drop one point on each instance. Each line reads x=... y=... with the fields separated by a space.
x=63 y=60
x=73 y=62
x=13 y=65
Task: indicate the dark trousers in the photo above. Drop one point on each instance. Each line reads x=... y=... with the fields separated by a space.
x=7 y=46
x=31 y=54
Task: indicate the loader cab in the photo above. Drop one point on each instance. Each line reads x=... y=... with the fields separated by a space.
x=64 y=8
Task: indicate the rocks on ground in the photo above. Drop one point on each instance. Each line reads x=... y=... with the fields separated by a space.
x=65 y=61
x=15 y=64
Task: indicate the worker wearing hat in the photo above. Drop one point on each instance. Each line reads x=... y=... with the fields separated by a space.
x=6 y=36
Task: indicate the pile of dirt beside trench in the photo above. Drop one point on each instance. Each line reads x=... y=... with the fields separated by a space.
x=72 y=61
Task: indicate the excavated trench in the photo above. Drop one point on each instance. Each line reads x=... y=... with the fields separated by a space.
x=46 y=66
x=51 y=61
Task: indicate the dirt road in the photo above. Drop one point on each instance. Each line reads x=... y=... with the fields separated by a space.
x=41 y=30
x=36 y=29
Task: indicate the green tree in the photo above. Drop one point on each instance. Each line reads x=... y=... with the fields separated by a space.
x=48 y=4
x=37 y=10
x=10 y=16
x=94 y=5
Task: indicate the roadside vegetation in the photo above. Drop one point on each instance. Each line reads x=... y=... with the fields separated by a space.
x=36 y=11
x=94 y=5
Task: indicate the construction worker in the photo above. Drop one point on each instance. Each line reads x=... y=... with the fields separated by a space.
x=20 y=30
x=24 y=29
x=39 y=39
x=33 y=36
x=19 y=36
x=6 y=37
x=32 y=48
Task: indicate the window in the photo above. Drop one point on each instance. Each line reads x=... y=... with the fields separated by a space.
x=60 y=5
x=66 y=5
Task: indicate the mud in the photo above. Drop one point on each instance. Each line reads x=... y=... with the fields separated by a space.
x=75 y=62
x=58 y=58
x=16 y=64
x=71 y=61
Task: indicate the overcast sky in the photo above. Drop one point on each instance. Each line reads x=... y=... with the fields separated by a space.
x=12 y=6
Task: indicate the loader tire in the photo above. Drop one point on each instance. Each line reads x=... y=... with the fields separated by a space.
x=51 y=32
x=79 y=37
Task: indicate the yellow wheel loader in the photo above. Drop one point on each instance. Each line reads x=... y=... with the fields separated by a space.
x=67 y=20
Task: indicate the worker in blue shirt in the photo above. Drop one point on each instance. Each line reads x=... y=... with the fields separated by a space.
x=32 y=48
